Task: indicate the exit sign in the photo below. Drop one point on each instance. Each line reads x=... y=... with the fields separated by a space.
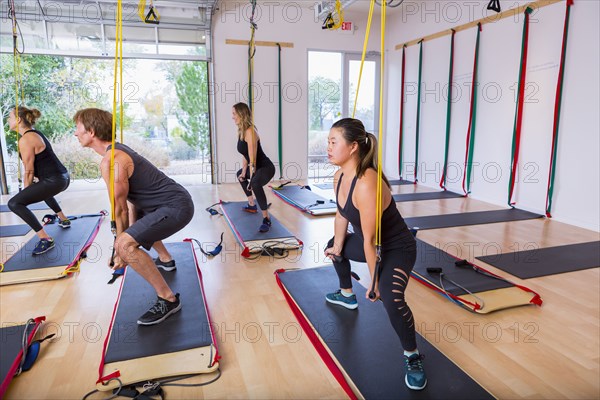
x=347 y=26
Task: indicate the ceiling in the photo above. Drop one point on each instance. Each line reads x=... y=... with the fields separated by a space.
x=174 y=14
x=87 y=27
x=362 y=6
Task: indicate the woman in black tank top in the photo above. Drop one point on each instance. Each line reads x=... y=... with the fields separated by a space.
x=257 y=169
x=354 y=151
x=39 y=161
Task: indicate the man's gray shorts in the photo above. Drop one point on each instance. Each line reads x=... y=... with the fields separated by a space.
x=160 y=224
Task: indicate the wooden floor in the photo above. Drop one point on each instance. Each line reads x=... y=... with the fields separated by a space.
x=550 y=352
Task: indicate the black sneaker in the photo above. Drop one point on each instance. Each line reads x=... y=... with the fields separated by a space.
x=160 y=311
x=43 y=246
x=167 y=266
x=266 y=225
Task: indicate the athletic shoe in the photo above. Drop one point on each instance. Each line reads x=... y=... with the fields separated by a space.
x=338 y=298
x=251 y=209
x=266 y=225
x=160 y=311
x=64 y=224
x=167 y=266
x=415 y=374
x=43 y=246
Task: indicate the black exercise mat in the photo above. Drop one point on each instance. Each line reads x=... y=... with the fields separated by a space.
x=426 y=196
x=34 y=206
x=246 y=224
x=396 y=182
x=304 y=198
x=10 y=346
x=14 y=230
x=187 y=329
x=470 y=218
x=547 y=261
x=68 y=243
x=429 y=256
x=367 y=347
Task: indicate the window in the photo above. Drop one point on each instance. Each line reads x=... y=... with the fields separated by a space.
x=332 y=85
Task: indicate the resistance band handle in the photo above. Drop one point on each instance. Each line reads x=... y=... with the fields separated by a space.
x=113 y=228
x=112 y=257
x=463 y=264
x=372 y=294
x=337 y=259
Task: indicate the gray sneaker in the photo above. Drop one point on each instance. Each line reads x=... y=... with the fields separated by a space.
x=160 y=311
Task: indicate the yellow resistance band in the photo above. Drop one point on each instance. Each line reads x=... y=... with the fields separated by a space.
x=18 y=87
x=364 y=53
x=379 y=196
x=118 y=90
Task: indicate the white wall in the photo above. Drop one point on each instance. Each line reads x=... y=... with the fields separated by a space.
x=577 y=191
x=277 y=22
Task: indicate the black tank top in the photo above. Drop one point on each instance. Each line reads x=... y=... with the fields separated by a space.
x=394 y=232
x=46 y=164
x=149 y=187
x=261 y=158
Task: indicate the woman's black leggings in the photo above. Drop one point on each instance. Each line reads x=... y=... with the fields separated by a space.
x=392 y=283
x=44 y=190
x=260 y=178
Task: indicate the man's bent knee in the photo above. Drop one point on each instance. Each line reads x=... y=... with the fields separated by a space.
x=125 y=246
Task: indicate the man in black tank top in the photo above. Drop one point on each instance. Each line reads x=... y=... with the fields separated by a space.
x=149 y=207
x=39 y=161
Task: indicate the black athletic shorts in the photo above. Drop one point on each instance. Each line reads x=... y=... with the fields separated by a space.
x=160 y=224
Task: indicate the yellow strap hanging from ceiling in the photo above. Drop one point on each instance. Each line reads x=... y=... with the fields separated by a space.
x=19 y=95
x=335 y=18
x=117 y=92
x=379 y=199
x=150 y=17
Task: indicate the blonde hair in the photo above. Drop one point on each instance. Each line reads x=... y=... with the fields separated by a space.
x=245 y=119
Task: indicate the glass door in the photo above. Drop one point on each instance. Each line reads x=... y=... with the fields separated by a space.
x=367 y=103
x=332 y=86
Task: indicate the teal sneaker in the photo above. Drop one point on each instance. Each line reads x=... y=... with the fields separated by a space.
x=338 y=298
x=43 y=246
x=415 y=374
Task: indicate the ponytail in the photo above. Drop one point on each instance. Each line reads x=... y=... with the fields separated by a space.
x=354 y=131
x=368 y=156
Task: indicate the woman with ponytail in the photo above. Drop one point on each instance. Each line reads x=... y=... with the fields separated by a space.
x=257 y=169
x=39 y=161
x=355 y=151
